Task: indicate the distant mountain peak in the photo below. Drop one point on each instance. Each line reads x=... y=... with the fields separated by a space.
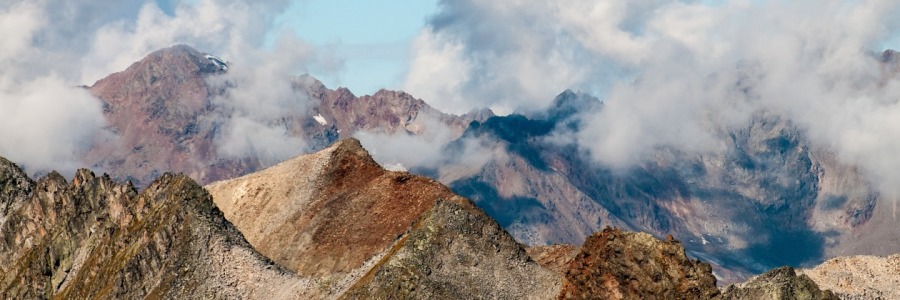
x=569 y=103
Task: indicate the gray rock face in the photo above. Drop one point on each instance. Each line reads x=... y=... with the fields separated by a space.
x=859 y=277
x=443 y=257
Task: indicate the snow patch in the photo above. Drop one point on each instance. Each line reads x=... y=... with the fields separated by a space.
x=218 y=61
x=319 y=118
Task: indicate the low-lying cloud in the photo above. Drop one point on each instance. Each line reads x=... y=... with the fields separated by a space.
x=46 y=121
x=259 y=96
x=428 y=149
x=669 y=72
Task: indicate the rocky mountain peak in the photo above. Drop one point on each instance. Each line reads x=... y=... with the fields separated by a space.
x=568 y=103
x=890 y=59
x=374 y=233
x=166 y=78
x=614 y=264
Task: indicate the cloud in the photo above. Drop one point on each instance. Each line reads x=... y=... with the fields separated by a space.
x=673 y=73
x=45 y=119
x=45 y=124
x=51 y=47
x=258 y=97
x=434 y=147
x=395 y=148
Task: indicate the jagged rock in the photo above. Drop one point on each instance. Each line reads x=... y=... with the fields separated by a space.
x=97 y=239
x=614 y=264
x=15 y=186
x=779 y=284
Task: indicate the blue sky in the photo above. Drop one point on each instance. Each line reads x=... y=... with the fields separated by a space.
x=373 y=37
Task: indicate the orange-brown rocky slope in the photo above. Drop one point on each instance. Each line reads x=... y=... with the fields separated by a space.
x=337 y=214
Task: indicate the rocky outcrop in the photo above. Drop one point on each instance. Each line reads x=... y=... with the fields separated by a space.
x=614 y=264
x=94 y=238
x=859 y=277
x=779 y=284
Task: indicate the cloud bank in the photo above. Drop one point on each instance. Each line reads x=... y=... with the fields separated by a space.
x=669 y=72
x=45 y=119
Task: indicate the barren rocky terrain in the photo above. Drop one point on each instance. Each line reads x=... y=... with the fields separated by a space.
x=859 y=277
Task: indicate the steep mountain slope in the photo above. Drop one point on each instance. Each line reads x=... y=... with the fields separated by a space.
x=740 y=209
x=159 y=110
x=336 y=214
x=163 y=113
x=94 y=238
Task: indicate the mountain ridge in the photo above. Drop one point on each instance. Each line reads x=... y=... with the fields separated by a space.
x=162 y=113
x=171 y=240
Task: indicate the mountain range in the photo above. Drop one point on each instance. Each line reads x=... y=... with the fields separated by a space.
x=332 y=224
x=770 y=199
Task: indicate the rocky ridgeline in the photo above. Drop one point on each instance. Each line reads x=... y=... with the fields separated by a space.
x=94 y=238
x=332 y=224
x=167 y=114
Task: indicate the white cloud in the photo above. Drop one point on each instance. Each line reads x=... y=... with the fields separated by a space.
x=45 y=124
x=45 y=120
x=672 y=71
x=258 y=96
x=427 y=148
